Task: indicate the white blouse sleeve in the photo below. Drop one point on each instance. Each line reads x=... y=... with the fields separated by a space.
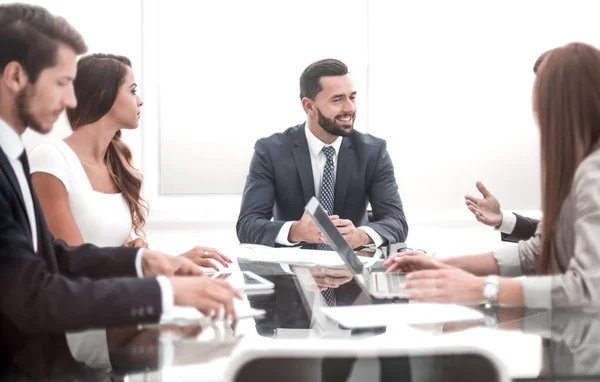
x=47 y=157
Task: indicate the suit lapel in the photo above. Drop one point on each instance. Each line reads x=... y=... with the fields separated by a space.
x=14 y=183
x=342 y=177
x=303 y=164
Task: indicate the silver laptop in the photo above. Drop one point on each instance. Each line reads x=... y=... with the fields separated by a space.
x=376 y=284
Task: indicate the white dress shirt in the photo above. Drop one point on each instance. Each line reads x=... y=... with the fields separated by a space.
x=318 y=161
x=509 y=221
x=13 y=147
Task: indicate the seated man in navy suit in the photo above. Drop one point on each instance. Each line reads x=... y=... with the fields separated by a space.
x=324 y=157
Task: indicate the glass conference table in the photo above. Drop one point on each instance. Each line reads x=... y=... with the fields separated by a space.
x=532 y=344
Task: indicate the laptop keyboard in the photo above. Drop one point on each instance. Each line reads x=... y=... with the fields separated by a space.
x=389 y=282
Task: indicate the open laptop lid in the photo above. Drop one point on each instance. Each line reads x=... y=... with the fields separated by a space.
x=334 y=237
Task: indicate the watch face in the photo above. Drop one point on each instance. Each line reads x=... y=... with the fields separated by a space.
x=490 y=291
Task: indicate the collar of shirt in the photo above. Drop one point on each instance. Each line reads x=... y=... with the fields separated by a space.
x=10 y=141
x=315 y=145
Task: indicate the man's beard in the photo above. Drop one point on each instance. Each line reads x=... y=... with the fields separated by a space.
x=331 y=126
x=26 y=118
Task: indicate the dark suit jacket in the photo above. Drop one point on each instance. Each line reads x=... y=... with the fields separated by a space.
x=61 y=288
x=524 y=229
x=280 y=183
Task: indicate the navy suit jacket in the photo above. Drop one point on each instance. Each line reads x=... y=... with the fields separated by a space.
x=524 y=229
x=61 y=288
x=280 y=183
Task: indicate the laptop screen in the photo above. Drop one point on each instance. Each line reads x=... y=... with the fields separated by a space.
x=334 y=237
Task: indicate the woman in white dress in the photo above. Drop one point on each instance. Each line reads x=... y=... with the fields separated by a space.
x=87 y=185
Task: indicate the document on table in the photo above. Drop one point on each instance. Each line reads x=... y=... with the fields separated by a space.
x=367 y=316
x=187 y=315
x=294 y=256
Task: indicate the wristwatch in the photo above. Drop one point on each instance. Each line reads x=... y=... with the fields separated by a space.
x=490 y=289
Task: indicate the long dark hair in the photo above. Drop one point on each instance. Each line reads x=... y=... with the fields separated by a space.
x=99 y=77
x=567 y=99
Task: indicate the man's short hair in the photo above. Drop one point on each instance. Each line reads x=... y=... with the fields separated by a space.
x=310 y=80
x=30 y=35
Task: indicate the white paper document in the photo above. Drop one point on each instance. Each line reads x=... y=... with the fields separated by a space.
x=294 y=256
x=365 y=316
x=187 y=315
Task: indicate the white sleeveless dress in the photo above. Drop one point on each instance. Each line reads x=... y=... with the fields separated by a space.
x=103 y=219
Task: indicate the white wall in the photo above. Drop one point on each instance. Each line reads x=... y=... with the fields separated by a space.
x=108 y=26
x=450 y=89
x=447 y=84
x=228 y=75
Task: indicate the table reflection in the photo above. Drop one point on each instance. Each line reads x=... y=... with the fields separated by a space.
x=570 y=340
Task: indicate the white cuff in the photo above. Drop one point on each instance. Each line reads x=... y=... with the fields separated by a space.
x=509 y=221
x=377 y=239
x=537 y=292
x=166 y=294
x=138 y=263
x=508 y=260
x=282 y=236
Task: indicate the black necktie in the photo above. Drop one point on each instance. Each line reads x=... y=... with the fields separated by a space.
x=25 y=162
x=327 y=199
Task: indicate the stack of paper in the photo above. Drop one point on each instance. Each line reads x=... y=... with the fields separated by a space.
x=366 y=316
x=187 y=315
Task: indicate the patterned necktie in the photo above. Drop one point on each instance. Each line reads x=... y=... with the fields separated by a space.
x=327 y=195
x=327 y=198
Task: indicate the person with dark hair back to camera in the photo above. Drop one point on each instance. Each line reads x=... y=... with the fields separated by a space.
x=324 y=157
x=46 y=286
